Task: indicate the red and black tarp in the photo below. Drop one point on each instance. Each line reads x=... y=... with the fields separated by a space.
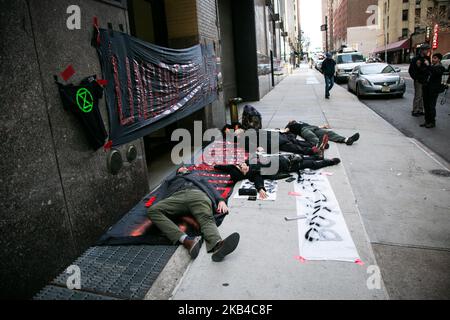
x=149 y=87
x=135 y=226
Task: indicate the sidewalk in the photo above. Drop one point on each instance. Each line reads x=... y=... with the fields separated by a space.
x=383 y=186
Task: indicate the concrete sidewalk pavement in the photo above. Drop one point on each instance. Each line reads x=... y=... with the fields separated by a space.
x=383 y=186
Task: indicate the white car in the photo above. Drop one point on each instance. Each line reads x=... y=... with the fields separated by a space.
x=345 y=63
x=446 y=61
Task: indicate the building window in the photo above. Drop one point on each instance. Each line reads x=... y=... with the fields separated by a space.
x=418 y=13
x=405 y=1
x=405 y=15
x=405 y=32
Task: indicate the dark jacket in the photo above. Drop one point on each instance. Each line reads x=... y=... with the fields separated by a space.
x=418 y=73
x=329 y=67
x=179 y=182
x=297 y=127
x=433 y=76
x=254 y=174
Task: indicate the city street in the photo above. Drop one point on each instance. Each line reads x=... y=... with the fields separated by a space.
x=397 y=111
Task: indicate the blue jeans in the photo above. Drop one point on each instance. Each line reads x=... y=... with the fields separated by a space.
x=329 y=83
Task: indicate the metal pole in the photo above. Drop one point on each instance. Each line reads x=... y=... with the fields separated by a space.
x=326 y=33
x=385 y=35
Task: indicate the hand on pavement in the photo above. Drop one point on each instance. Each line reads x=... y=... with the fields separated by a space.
x=222 y=207
x=263 y=195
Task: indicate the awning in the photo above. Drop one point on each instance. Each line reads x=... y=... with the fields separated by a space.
x=399 y=45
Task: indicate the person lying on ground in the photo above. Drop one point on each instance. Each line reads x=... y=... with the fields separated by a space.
x=189 y=193
x=287 y=142
x=314 y=134
x=288 y=163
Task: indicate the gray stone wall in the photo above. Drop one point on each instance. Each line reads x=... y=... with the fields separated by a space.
x=209 y=32
x=57 y=196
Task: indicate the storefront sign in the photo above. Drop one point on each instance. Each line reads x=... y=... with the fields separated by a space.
x=436 y=36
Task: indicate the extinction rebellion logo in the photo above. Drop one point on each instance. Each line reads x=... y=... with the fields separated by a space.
x=84 y=100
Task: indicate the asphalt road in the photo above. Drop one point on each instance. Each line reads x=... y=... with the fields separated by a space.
x=397 y=111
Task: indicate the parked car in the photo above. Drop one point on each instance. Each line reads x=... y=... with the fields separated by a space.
x=376 y=79
x=319 y=64
x=446 y=61
x=345 y=63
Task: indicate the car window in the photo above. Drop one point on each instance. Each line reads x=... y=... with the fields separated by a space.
x=350 y=58
x=377 y=69
x=447 y=56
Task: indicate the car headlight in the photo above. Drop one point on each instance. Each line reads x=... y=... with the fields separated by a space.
x=401 y=81
x=365 y=82
x=340 y=71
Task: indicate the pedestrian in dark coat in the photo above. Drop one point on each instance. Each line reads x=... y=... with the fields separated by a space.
x=417 y=72
x=328 y=69
x=431 y=89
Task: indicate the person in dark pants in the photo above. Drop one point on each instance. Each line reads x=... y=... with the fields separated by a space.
x=431 y=89
x=328 y=69
x=314 y=134
x=286 y=141
x=188 y=193
x=417 y=72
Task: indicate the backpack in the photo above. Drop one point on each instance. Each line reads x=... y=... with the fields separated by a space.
x=251 y=118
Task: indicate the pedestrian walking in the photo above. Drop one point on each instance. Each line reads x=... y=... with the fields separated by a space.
x=431 y=89
x=328 y=70
x=417 y=73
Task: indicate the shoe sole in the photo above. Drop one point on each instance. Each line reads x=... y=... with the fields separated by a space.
x=356 y=138
x=229 y=245
x=195 y=250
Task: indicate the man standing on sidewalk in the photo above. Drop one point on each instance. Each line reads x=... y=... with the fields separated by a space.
x=328 y=69
x=431 y=89
x=417 y=73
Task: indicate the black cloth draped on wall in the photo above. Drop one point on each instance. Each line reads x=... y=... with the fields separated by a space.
x=150 y=86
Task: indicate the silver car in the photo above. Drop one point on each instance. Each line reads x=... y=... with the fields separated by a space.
x=376 y=79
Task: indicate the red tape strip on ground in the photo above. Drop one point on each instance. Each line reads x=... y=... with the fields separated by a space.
x=68 y=73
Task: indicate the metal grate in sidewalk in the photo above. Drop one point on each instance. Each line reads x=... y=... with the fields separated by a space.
x=122 y=272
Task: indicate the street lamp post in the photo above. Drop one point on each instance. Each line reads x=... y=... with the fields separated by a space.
x=385 y=36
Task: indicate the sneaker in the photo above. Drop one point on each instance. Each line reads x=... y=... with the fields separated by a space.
x=430 y=125
x=193 y=245
x=423 y=125
x=352 y=139
x=336 y=161
x=225 y=247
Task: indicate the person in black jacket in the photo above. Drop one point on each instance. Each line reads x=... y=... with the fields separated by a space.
x=431 y=89
x=288 y=163
x=328 y=70
x=287 y=142
x=417 y=72
x=315 y=135
x=189 y=193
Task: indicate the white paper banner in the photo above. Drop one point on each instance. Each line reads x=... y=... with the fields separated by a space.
x=323 y=235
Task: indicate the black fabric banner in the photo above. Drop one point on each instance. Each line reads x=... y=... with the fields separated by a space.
x=149 y=86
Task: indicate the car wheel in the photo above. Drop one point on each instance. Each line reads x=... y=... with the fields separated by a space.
x=358 y=92
x=348 y=87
